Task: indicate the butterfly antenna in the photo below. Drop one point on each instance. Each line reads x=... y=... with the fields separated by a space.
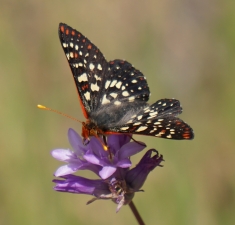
x=58 y=112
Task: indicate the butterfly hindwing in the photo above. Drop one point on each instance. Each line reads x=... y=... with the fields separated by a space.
x=159 y=120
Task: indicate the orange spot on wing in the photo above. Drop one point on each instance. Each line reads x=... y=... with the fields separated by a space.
x=186 y=135
x=89 y=46
x=67 y=31
x=62 y=29
x=83 y=40
x=84 y=87
x=75 y=55
x=73 y=32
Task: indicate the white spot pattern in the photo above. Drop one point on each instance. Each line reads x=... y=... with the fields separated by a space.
x=91 y=66
x=114 y=95
x=134 y=81
x=95 y=87
x=107 y=83
x=141 y=128
x=83 y=77
x=124 y=128
x=117 y=103
x=125 y=93
x=118 y=85
x=87 y=96
x=113 y=83
x=99 y=67
x=97 y=77
x=105 y=100
x=139 y=117
x=152 y=114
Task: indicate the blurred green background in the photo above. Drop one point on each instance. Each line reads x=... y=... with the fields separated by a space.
x=185 y=48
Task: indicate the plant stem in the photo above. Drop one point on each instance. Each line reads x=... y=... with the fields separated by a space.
x=136 y=213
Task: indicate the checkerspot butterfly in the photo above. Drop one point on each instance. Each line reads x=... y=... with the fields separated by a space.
x=114 y=95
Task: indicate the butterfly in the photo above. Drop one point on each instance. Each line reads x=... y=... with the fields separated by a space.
x=113 y=95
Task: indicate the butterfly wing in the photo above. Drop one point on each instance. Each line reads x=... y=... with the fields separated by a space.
x=87 y=64
x=159 y=120
x=123 y=83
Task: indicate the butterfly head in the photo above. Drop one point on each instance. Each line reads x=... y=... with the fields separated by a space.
x=90 y=129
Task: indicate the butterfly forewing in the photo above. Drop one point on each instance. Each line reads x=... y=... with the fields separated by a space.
x=87 y=63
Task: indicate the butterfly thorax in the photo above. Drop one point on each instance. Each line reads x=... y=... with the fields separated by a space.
x=89 y=128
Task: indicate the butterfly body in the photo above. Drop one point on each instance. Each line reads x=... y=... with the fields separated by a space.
x=113 y=95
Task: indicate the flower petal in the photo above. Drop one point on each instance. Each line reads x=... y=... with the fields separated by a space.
x=107 y=171
x=130 y=149
x=137 y=176
x=115 y=142
x=91 y=158
x=80 y=185
x=125 y=163
x=76 y=142
x=97 y=148
x=63 y=154
x=65 y=170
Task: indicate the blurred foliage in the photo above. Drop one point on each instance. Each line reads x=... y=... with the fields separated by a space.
x=185 y=48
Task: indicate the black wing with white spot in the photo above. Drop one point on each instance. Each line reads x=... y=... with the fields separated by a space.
x=87 y=63
x=98 y=82
x=123 y=83
x=159 y=120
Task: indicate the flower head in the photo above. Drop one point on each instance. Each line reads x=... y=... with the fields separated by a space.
x=116 y=180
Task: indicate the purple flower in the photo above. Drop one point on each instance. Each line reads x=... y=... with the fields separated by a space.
x=93 y=157
x=116 y=180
